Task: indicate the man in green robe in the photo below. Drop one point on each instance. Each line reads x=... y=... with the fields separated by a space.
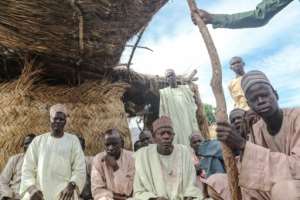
x=260 y=16
x=165 y=171
x=178 y=103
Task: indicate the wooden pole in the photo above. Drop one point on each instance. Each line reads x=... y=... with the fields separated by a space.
x=221 y=111
x=200 y=114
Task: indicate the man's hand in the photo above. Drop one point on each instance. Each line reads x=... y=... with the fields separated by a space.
x=251 y=117
x=112 y=162
x=205 y=16
x=38 y=195
x=68 y=192
x=226 y=135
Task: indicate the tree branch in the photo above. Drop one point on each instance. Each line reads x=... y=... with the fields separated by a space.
x=135 y=46
x=141 y=47
x=221 y=114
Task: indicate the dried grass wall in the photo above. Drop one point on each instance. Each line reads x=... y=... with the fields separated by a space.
x=93 y=108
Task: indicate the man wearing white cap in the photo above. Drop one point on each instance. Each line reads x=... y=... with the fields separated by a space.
x=54 y=164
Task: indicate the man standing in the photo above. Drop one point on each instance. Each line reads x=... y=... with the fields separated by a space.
x=54 y=166
x=163 y=170
x=113 y=170
x=262 y=14
x=237 y=65
x=178 y=103
x=10 y=177
x=271 y=164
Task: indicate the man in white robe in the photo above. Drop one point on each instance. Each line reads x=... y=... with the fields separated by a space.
x=163 y=170
x=178 y=103
x=10 y=177
x=54 y=165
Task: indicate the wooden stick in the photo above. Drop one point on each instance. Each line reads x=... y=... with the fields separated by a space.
x=200 y=115
x=192 y=75
x=221 y=113
x=135 y=46
x=141 y=47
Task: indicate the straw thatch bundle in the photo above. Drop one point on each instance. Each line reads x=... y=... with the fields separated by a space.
x=93 y=107
x=69 y=33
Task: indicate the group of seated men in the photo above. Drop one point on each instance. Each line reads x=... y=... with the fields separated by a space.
x=267 y=153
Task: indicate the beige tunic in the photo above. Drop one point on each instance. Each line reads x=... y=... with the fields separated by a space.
x=105 y=181
x=270 y=168
x=219 y=183
x=10 y=177
x=273 y=159
x=237 y=94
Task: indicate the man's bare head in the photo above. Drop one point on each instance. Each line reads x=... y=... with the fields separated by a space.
x=237 y=120
x=195 y=140
x=237 y=65
x=27 y=140
x=171 y=78
x=113 y=142
x=146 y=138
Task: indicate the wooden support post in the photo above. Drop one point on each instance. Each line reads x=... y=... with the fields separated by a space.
x=200 y=114
x=221 y=113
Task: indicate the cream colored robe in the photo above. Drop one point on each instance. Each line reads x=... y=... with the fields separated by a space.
x=179 y=105
x=273 y=159
x=172 y=177
x=51 y=163
x=237 y=94
x=10 y=177
x=105 y=181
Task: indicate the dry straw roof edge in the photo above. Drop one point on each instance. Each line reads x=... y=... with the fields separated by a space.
x=85 y=34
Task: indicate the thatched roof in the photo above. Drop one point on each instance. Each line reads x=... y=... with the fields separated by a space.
x=80 y=38
x=144 y=89
x=93 y=108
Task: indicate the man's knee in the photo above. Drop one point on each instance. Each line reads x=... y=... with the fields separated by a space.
x=286 y=190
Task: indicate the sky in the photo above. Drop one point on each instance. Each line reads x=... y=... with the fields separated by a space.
x=177 y=43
